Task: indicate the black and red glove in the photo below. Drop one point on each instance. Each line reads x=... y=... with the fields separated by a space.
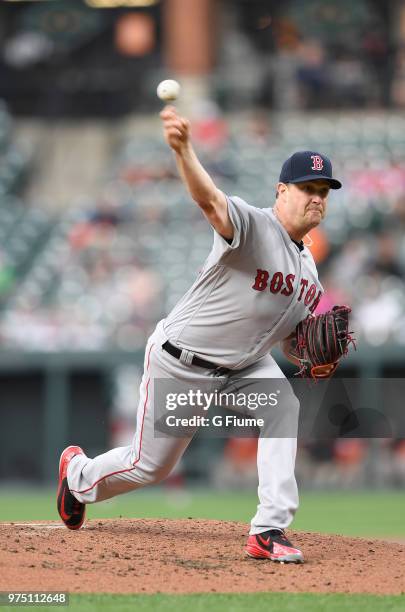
x=321 y=341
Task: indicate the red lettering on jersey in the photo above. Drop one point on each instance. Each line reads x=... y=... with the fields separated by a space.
x=316 y=302
x=289 y=279
x=285 y=286
x=304 y=285
x=318 y=162
x=261 y=279
x=276 y=282
x=310 y=295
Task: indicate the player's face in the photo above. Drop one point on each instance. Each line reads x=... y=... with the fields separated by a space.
x=304 y=204
x=311 y=198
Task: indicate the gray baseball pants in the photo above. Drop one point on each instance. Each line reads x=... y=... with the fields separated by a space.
x=149 y=459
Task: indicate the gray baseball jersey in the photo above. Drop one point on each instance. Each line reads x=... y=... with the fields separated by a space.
x=249 y=295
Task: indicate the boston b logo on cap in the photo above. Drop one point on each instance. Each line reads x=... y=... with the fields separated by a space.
x=318 y=162
x=308 y=166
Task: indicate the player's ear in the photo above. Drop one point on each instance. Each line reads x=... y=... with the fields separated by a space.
x=281 y=189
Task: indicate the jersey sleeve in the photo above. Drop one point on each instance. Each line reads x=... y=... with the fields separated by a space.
x=240 y=214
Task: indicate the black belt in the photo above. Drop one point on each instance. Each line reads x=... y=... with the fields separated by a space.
x=175 y=351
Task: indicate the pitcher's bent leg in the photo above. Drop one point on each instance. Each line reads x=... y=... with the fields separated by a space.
x=147 y=461
x=117 y=472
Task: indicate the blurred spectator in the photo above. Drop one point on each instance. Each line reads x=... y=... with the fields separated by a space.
x=318 y=245
x=384 y=257
x=350 y=81
x=376 y=48
x=349 y=455
x=348 y=266
x=209 y=128
x=327 y=464
x=313 y=75
x=398 y=459
x=398 y=79
x=282 y=77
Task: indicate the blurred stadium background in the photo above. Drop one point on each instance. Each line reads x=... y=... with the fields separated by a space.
x=99 y=239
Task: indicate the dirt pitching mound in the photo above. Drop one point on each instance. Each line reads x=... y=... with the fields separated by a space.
x=187 y=556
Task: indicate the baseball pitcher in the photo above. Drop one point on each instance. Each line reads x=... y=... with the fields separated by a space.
x=258 y=287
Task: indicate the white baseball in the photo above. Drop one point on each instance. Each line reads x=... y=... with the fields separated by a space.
x=168 y=90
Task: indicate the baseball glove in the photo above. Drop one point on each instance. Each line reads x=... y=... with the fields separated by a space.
x=321 y=341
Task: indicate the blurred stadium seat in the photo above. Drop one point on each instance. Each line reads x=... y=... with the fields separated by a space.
x=98 y=275
x=146 y=223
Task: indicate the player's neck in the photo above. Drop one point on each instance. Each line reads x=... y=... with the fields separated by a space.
x=296 y=234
